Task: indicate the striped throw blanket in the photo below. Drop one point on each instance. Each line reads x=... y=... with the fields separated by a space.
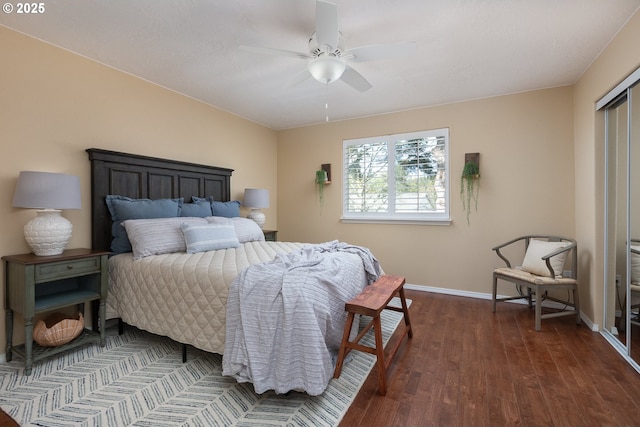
x=285 y=318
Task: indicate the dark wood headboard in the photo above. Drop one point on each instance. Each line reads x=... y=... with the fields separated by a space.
x=143 y=177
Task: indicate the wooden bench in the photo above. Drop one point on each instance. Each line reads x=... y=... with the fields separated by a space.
x=370 y=302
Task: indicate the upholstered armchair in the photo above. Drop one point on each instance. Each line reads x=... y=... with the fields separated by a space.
x=542 y=271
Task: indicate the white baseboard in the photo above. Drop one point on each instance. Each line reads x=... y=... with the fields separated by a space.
x=479 y=295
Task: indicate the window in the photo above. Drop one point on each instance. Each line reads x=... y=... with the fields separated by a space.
x=397 y=178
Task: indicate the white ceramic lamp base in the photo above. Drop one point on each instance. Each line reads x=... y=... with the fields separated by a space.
x=257 y=216
x=48 y=233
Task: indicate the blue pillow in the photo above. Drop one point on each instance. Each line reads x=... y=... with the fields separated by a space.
x=123 y=208
x=226 y=209
x=196 y=209
x=196 y=199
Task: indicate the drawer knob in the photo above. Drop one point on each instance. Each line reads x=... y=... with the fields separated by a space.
x=70 y=267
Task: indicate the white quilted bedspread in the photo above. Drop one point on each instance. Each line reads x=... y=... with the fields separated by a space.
x=183 y=296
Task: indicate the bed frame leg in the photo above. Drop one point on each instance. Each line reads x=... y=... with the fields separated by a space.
x=184 y=353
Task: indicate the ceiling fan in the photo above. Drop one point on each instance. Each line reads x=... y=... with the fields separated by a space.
x=327 y=58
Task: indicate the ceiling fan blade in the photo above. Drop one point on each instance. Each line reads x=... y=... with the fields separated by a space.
x=299 y=78
x=278 y=52
x=326 y=24
x=355 y=79
x=376 y=52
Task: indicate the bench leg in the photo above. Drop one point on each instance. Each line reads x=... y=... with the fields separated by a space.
x=343 y=346
x=382 y=368
x=405 y=311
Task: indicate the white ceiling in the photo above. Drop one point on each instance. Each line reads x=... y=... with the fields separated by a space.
x=466 y=49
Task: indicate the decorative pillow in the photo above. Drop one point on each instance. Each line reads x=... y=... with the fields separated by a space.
x=226 y=209
x=533 y=262
x=196 y=209
x=158 y=236
x=209 y=237
x=635 y=265
x=246 y=229
x=123 y=208
x=220 y=220
x=196 y=199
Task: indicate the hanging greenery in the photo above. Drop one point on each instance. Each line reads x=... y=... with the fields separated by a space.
x=469 y=185
x=321 y=179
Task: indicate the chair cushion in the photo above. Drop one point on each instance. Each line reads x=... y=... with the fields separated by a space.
x=533 y=262
x=525 y=276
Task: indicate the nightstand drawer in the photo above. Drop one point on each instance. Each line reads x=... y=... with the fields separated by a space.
x=64 y=269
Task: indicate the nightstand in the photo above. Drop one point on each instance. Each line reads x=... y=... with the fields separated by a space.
x=35 y=284
x=270 y=235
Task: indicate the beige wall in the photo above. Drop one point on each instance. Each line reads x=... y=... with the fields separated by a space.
x=54 y=105
x=541 y=159
x=525 y=143
x=618 y=60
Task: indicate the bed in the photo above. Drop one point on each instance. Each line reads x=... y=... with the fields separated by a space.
x=205 y=298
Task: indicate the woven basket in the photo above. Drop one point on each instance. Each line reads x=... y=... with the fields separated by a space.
x=58 y=329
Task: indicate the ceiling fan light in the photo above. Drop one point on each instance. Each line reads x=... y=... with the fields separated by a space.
x=327 y=69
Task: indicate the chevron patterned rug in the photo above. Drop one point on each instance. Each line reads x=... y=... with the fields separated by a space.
x=138 y=379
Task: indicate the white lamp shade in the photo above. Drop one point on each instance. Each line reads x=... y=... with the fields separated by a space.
x=256 y=198
x=48 y=233
x=46 y=190
x=327 y=69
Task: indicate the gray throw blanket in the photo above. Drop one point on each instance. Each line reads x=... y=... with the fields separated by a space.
x=285 y=318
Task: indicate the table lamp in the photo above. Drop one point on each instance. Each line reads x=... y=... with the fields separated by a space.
x=256 y=199
x=49 y=232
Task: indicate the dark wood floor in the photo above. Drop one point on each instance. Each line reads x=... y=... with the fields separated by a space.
x=6 y=420
x=467 y=366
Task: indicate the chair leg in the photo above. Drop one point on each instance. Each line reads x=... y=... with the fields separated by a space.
x=538 y=307
x=495 y=291
x=576 y=303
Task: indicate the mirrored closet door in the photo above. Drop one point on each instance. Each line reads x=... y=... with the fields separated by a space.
x=622 y=217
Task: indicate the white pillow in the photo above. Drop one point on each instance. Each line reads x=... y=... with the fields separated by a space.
x=157 y=236
x=635 y=266
x=247 y=229
x=533 y=262
x=209 y=237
